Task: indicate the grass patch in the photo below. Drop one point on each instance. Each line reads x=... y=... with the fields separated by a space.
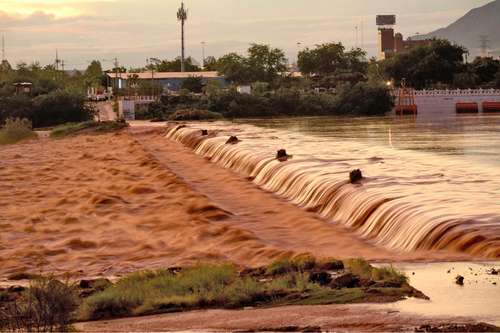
x=364 y=270
x=87 y=127
x=284 y=282
x=16 y=130
x=301 y=280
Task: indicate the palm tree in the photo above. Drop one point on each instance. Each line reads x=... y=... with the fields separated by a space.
x=182 y=16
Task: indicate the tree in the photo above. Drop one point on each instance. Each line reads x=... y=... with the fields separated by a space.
x=193 y=84
x=235 y=68
x=94 y=74
x=324 y=59
x=263 y=63
x=486 y=69
x=94 y=69
x=5 y=66
x=176 y=65
x=425 y=65
x=332 y=65
x=210 y=63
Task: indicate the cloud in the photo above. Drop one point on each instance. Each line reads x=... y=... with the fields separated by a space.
x=135 y=30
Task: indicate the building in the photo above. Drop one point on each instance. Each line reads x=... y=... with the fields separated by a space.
x=169 y=81
x=391 y=43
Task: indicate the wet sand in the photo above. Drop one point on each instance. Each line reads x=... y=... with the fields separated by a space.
x=111 y=204
x=327 y=317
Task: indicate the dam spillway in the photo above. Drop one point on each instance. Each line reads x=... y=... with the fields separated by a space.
x=408 y=201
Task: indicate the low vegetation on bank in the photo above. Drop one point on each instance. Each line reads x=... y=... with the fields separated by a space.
x=47 y=109
x=302 y=280
x=194 y=114
x=361 y=99
x=71 y=129
x=16 y=130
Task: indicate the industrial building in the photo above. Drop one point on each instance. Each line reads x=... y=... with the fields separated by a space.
x=391 y=43
x=169 y=81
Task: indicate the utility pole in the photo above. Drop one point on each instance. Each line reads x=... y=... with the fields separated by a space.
x=182 y=16
x=203 y=54
x=116 y=64
x=57 y=60
x=3 y=48
x=299 y=44
x=357 y=37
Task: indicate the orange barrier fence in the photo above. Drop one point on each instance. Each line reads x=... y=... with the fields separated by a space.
x=491 y=107
x=469 y=107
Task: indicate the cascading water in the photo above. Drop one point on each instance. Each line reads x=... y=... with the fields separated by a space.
x=376 y=208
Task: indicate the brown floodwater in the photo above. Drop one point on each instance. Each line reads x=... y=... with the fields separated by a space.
x=478 y=298
x=427 y=186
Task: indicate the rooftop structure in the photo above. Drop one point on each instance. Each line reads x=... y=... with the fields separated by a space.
x=391 y=43
x=167 y=80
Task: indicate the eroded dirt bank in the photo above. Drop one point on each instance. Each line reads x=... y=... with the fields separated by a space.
x=111 y=204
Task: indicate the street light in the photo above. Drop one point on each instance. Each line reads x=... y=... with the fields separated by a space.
x=203 y=54
x=299 y=44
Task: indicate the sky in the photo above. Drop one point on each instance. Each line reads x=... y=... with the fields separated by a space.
x=132 y=30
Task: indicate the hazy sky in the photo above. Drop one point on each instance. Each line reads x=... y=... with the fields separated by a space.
x=133 y=30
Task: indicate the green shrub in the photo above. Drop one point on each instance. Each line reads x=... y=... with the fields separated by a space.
x=365 y=270
x=16 y=130
x=60 y=107
x=389 y=274
x=286 y=265
x=280 y=266
x=363 y=99
x=192 y=84
x=194 y=114
x=16 y=106
x=46 y=306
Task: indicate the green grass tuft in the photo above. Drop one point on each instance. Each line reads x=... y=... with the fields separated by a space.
x=16 y=130
x=194 y=114
x=363 y=269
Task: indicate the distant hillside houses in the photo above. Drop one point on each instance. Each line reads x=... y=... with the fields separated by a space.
x=169 y=81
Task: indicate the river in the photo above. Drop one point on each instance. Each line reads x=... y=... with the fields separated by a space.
x=428 y=185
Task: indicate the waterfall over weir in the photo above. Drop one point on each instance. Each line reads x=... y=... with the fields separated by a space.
x=376 y=209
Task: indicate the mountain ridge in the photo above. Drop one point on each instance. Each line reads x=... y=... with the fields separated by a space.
x=467 y=30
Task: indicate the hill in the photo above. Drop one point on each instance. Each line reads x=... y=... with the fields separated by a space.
x=482 y=21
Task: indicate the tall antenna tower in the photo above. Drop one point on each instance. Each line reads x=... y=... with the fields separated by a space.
x=58 y=61
x=484 y=45
x=182 y=16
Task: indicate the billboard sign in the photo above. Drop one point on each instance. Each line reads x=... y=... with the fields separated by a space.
x=386 y=19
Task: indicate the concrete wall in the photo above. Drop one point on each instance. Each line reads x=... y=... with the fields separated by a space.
x=433 y=104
